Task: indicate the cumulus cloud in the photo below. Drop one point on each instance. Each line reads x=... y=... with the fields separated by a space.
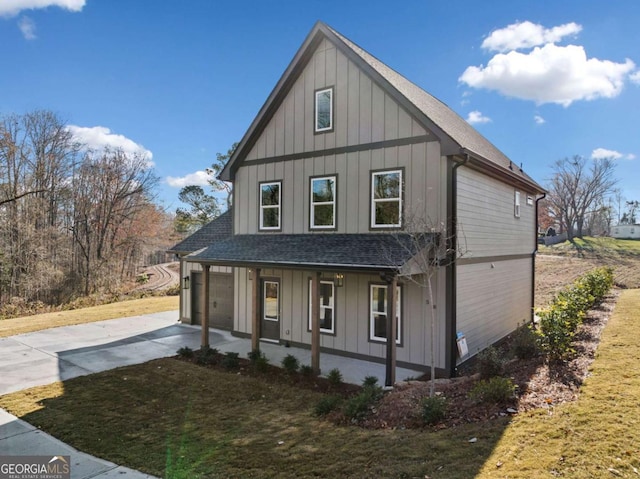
x=602 y=153
x=99 y=137
x=475 y=117
x=199 y=178
x=550 y=74
x=10 y=8
x=635 y=77
x=527 y=35
x=28 y=28
x=538 y=119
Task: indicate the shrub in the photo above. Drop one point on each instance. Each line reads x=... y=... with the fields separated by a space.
x=497 y=390
x=306 y=370
x=334 y=377
x=490 y=363
x=290 y=363
x=358 y=406
x=254 y=355
x=525 y=342
x=326 y=405
x=231 y=361
x=434 y=409
x=258 y=360
x=206 y=355
x=185 y=352
x=370 y=381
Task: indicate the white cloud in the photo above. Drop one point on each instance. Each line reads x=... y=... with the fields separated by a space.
x=539 y=120
x=28 y=28
x=10 y=8
x=635 y=77
x=476 y=117
x=550 y=74
x=100 y=137
x=601 y=153
x=527 y=35
x=199 y=178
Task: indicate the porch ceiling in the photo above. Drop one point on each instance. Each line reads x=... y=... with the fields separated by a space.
x=355 y=252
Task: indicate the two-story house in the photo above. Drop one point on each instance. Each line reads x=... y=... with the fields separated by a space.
x=342 y=158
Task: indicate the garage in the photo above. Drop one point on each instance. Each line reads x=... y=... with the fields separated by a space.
x=220 y=299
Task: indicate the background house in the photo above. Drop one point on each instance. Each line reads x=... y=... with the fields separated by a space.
x=342 y=158
x=626 y=231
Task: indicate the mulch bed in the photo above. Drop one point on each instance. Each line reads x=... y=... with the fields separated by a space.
x=540 y=384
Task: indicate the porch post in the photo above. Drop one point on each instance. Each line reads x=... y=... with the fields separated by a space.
x=256 y=311
x=392 y=325
x=205 y=306
x=315 y=323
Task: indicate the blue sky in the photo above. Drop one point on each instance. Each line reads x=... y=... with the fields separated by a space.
x=542 y=80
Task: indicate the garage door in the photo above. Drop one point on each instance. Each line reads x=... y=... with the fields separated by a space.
x=220 y=299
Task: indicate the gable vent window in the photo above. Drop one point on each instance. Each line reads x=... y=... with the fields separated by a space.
x=270 y=198
x=324 y=110
x=516 y=204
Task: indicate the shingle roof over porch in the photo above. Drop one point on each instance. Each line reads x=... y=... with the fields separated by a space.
x=358 y=252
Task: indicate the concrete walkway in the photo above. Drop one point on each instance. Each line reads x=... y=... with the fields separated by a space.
x=58 y=354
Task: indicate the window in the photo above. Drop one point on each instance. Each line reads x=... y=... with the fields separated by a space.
x=386 y=199
x=378 y=313
x=324 y=110
x=323 y=203
x=327 y=309
x=270 y=195
x=529 y=200
x=516 y=207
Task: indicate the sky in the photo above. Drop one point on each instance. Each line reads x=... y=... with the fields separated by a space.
x=182 y=80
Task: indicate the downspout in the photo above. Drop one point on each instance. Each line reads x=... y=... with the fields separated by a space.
x=452 y=214
x=533 y=262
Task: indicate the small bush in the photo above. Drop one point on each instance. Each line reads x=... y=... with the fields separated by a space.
x=490 y=363
x=434 y=409
x=326 y=405
x=185 y=352
x=306 y=370
x=290 y=363
x=370 y=381
x=334 y=377
x=358 y=406
x=258 y=360
x=206 y=355
x=525 y=342
x=496 y=390
x=254 y=355
x=231 y=361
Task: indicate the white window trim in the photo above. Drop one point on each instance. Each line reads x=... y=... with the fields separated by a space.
x=330 y=127
x=372 y=335
x=332 y=307
x=263 y=207
x=516 y=204
x=375 y=201
x=313 y=226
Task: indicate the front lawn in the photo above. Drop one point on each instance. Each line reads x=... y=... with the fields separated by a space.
x=178 y=420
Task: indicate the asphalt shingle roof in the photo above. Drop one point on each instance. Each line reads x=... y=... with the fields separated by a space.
x=219 y=229
x=374 y=251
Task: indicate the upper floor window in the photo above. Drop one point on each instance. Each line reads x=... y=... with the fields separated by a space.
x=516 y=204
x=327 y=308
x=386 y=199
x=324 y=110
x=323 y=203
x=270 y=199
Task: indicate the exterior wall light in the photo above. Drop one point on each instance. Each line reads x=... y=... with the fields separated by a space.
x=185 y=282
x=339 y=279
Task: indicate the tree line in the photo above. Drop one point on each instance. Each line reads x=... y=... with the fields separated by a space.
x=73 y=221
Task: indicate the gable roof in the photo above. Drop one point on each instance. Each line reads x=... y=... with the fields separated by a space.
x=456 y=135
x=216 y=230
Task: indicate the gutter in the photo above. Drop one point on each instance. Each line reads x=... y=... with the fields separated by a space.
x=451 y=266
x=533 y=261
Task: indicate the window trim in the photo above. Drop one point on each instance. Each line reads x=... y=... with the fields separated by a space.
x=334 y=226
x=331 y=331
x=516 y=204
x=263 y=207
x=377 y=339
x=315 y=110
x=373 y=201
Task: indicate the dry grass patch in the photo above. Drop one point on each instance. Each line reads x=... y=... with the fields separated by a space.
x=135 y=307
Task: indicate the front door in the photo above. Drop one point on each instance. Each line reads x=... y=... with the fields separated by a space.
x=270 y=323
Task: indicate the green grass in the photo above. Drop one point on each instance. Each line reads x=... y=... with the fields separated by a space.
x=177 y=420
x=597 y=246
x=134 y=307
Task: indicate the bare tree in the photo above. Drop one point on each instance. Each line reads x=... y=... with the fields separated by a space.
x=578 y=186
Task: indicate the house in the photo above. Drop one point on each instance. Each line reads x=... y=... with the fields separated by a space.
x=343 y=153
x=626 y=231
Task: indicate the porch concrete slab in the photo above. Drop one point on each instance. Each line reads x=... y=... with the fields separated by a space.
x=19 y=438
